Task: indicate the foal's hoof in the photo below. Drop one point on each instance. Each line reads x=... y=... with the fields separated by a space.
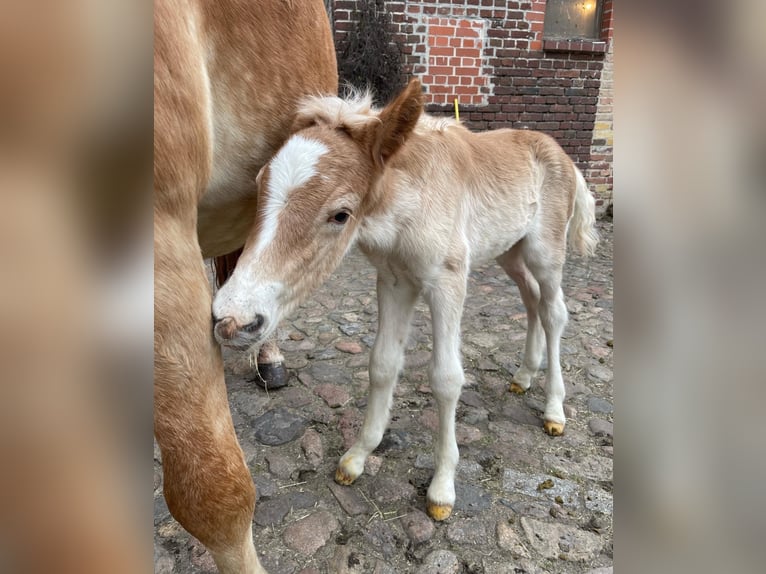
x=342 y=478
x=438 y=512
x=517 y=389
x=553 y=429
x=271 y=376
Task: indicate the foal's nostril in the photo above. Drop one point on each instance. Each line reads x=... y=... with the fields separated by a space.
x=255 y=325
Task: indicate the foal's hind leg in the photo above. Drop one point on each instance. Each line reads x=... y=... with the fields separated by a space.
x=396 y=301
x=547 y=267
x=512 y=262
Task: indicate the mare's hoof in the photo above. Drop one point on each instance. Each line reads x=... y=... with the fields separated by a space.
x=342 y=478
x=271 y=376
x=553 y=429
x=438 y=512
x=517 y=389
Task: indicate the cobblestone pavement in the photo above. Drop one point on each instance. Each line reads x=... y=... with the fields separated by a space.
x=526 y=502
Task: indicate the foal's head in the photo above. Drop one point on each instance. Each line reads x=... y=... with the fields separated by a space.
x=311 y=198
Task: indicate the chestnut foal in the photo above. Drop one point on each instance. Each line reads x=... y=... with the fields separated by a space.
x=424 y=199
x=228 y=75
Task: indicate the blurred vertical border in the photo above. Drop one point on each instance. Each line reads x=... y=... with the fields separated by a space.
x=690 y=254
x=76 y=267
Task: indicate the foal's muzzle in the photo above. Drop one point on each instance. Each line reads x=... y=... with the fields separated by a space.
x=227 y=329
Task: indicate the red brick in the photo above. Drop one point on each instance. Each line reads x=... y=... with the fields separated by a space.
x=441 y=31
x=442 y=51
x=440 y=70
x=467 y=32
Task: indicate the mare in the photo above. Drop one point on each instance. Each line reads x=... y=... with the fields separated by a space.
x=228 y=76
x=424 y=199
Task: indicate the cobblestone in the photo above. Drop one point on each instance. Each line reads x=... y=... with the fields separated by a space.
x=293 y=438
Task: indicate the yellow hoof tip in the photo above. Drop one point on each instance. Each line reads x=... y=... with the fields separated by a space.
x=516 y=388
x=439 y=512
x=342 y=478
x=553 y=429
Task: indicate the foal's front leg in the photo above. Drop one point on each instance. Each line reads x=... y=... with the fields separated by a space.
x=396 y=300
x=446 y=375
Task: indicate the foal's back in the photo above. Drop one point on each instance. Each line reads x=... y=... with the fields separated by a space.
x=493 y=187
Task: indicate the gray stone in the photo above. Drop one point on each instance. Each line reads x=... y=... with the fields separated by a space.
x=440 y=562
x=487 y=365
x=507 y=539
x=311 y=444
x=278 y=426
x=265 y=487
x=599 y=500
x=544 y=537
x=600 y=427
x=309 y=534
x=492 y=565
x=470 y=499
x=603 y=570
x=599 y=373
x=521 y=415
x=324 y=354
x=418 y=526
x=590 y=467
x=161 y=511
x=474 y=416
x=281 y=465
x=527 y=508
x=382 y=567
x=599 y=405
x=386 y=490
x=163 y=561
x=379 y=535
x=274 y=510
x=471 y=398
x=349 y=499
x=575 y=390
x=330 y=372
x=467 y=531
x=350 y=329
x=346 y=560
x=294 y=397
x=276 y=564
x=534 y=485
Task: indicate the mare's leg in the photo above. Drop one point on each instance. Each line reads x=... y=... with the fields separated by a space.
x=446 y=375
x=512 y=262
x=396 y=301
x=207 y=485
x=547 y=264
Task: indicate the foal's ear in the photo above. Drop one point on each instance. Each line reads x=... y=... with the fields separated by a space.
x=397 y=120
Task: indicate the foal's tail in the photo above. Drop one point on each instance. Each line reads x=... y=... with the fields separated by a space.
x=583 y=236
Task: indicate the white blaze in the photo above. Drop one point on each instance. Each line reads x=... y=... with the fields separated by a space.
x=293 y=166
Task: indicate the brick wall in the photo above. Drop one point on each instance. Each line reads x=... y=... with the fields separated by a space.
x=492 y=56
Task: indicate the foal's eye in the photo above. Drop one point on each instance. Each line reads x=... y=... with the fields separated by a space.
x=340 y=218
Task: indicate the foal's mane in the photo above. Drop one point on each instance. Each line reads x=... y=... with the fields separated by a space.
x=353 y=111
x=356 y=111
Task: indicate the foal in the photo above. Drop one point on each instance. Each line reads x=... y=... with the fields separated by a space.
x=424 y=199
